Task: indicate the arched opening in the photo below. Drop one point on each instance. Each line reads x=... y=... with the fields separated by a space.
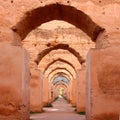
x=57 y=73
x=59 y=59
x=102 y=64
x=59 y=46
x=47 y=91
x=60 y=79
x=58 y=92
x=79 y=19
x=62 y=69
x=59 y=12
x=67 y=68
x=51 y=75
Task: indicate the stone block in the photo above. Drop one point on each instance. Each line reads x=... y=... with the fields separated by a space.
x=45 y=92
x=14 y=82
x=81 y=90
x=36 y=91
x=103 y=84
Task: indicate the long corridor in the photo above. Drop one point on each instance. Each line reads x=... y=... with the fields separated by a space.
x=61 y=110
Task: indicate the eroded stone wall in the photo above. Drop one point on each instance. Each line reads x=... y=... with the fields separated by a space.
x=105 y=14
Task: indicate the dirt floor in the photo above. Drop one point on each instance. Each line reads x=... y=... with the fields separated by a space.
x=61 y=110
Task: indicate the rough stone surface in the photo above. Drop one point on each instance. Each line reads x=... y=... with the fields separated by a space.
x=36 y=86
x=81 y=90
x=14 y=84
x=103 y=84
x=60 y=48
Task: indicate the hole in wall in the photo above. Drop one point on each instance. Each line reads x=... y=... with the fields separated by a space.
x=68 y=1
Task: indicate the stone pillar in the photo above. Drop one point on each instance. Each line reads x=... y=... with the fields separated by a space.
x=45 y=92
x=70 y=91
x=103 y=84
x=81 y=90
x=74 y=93
x=50 y=99
x=36 y=87
x=54 y=93
x=14 y=82
x=41 y=88
x=66 y=91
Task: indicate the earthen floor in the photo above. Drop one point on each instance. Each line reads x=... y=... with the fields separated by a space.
x=61 y=110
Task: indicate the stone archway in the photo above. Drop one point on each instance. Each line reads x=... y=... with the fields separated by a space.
x=79 y=19
x=93 y=31
x=61 y=60
x=60 y=12
x=66 y=83
x=57 y=86
x=47 y=87
x=56 y=47
x=59 y=68
x=59 y=73
x=72 y=86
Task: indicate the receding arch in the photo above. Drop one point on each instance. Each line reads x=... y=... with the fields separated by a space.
x=36 y=17
x=60 y=74
x=61 y=68
x=56 y=47
x=58 y=65
x=60 y=78
x=61 y=60
x=59 y=83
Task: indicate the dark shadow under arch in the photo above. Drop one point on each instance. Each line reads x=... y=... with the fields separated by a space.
x=36 y=17
x=61 y=60
x=59 y=46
